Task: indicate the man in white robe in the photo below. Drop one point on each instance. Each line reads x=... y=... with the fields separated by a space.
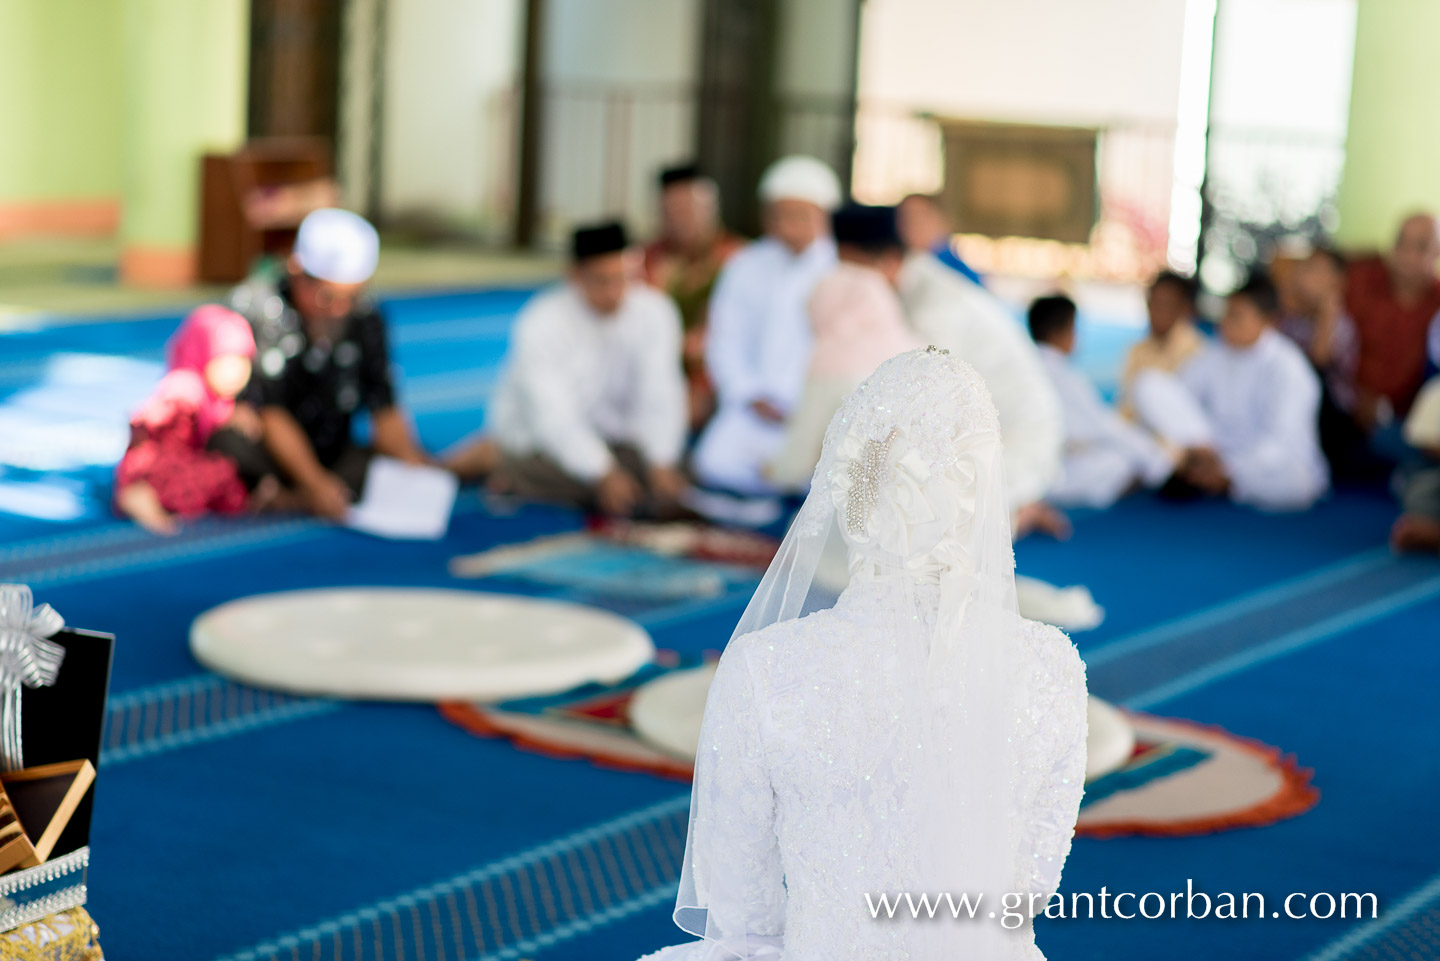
x=591 y=407
x=1105 y=455
x=1245 y=411
x=758 y=345
x=951 y=312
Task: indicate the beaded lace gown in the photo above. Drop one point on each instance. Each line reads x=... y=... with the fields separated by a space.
x=913 y=735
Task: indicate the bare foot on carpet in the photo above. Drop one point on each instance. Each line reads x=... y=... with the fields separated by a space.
x=1414 y=533
x=141 y=504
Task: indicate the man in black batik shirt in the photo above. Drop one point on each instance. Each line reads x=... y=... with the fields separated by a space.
x=321 y=358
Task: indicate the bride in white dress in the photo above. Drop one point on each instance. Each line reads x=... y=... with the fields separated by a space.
x=912 y=736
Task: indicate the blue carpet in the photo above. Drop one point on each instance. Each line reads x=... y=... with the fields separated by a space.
x=66 y=392
x=231 y=823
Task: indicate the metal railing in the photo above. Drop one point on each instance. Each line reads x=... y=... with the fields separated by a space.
x=1261 y=187
x=604 y=144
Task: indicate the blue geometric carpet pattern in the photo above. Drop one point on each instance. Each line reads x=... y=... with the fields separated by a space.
x=237 y=823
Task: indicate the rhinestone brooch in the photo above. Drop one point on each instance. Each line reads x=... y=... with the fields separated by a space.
x=865 y=473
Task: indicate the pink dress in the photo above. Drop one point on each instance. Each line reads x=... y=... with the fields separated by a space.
x=168 y=434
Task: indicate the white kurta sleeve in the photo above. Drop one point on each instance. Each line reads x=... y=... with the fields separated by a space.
x=805 y=431
x=555 y=412
x=660 y=401
x=730 y=334
x=1087 y=419
x=1171 y=406
x=1092 y=423
x=1032 y=420
x=1273 y=470
x=786 y=342
x=735 y=891
x=1422 y=424
x=1032 y=426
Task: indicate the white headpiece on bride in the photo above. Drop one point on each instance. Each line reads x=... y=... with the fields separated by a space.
x=910 y=483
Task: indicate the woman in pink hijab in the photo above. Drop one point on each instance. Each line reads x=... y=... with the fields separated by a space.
x=857 y=324
x=168 y=472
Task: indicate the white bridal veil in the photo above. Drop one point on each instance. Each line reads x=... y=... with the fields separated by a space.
x=910 y=484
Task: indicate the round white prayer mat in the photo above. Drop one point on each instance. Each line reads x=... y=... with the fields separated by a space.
x=1111 y=740
x=667 y=711
x=402 y=644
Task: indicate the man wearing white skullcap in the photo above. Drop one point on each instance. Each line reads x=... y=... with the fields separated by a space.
x=322 y=357
x=758 y=345
x=337 y=246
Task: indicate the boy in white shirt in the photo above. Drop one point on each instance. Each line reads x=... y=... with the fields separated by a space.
x=1105 y=456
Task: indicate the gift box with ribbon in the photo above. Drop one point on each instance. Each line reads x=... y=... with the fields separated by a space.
x=53 y=686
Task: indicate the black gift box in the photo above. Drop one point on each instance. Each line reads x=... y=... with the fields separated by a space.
x=66 y=721
x=63 y=722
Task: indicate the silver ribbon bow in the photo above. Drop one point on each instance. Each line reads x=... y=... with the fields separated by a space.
x=27 y=659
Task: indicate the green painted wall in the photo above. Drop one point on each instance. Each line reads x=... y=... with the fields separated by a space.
x=184 y=94
x=1392 y=162
x=60 y=97
x=117 y=99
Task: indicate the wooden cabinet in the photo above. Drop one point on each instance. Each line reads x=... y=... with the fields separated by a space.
x=252 y=201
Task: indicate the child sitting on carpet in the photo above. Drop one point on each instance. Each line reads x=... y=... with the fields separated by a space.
x=1105 y=456
x=172 y=467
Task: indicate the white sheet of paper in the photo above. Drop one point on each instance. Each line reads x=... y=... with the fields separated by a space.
x=404 y=501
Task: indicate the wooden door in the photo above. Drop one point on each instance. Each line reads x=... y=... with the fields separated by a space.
x=294 y=68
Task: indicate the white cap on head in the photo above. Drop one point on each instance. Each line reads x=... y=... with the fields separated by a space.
x=801 y=178
x=338 y=246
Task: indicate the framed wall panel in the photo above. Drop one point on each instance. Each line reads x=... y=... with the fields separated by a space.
x=1018 y=180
